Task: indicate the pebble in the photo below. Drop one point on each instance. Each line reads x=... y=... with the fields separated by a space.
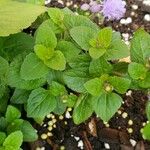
x=50 y=123
x=61 y=117
x=42 y=148
x=135 y=7
x=124 y=115
x=49 y=134
x=107 y=146
x=44 y=136
x=47 y=2
x=129 y=93
x=133 y=142
x=80 y=143
x=130 y=130
x=147 y=17
x=62 y=147
x=50 y=128
x=76 y=138
x=130 y=122
x=146 y=2
x=67 y=115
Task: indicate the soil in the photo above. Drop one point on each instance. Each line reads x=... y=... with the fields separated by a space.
x=122 y=132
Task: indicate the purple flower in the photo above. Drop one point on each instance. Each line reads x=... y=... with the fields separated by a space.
x=113 y=9
x=85 y=7
x=95 y=8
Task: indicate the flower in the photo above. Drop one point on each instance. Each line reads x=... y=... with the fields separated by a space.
x=85 y=7
x=95 y=8
x=113 y=9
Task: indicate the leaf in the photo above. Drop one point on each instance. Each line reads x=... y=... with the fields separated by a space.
x=43 y=52
x=57 y=89
x=146 y=132
x=71 y=100
x=146 y=82
x=75 y=80
x=29 y=133
x=140 y=46
x=12 y=113
x=148 y=110
x=105 y=37
x=38 y=2
x=40 y=103
x=117 y=50
x=99 y=66
x=2 y=137
x=12 y=21
x=137 y=71
x=83 y=109
x=14 y=79
x=3 y=123
x=71 y=21
x=33 y=68
x=3 y=66
x=56 y=15
x=121 y=85
x=60 y=106
x=69 y=50
x=45 y=36
x=107 y=105
x=57 y=62
x=82 y=35
x=95 y=53
x=20 y=96
x=16 y=44
x=13 y=141
x=94 y=86
x=15 y=125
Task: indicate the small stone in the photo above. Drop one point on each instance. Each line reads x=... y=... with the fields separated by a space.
x=129 y=93
x=53 y=116
x=54 y=126
x=130 y=122
x=107 y=146
x=62 y=147
x=67 y=115
x=49 y=116
x=129 y=20
x=130 y=130
x=123 y=21
x=50 y=123
x=76 y=138
x=65 y=122
x=135 y=7
x=61 y=117
x=42 y=148
x=80 y=143
x=144 y=124
x=119 y=112
x=124 y=115
x=54 y=120
x=44 y=136
x=38 y=148
x=49 y=134
x=147 y=17
x=50 y=128
x=69 y=109
x=133 y=142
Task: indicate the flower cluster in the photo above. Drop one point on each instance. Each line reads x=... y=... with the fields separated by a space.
x=111 y=9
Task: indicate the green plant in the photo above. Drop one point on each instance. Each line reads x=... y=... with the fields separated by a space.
x=70 y=62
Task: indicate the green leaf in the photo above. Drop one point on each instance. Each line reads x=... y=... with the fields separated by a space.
x=12 y=21
x=12 y=113
x=71 y=21
x=43 y=52
x=137 y=71
x=83 y=109
x=14 y=79
x=121 y=85
x=140 y=46
x=69 y=50
x=146 y=82
x=56 y=15
x=57 y=62
x=99 y=66
x=33 y=68
x=4 y=66
x=82 y=35
x=45 y=36
x=71 y=100
x=95 y=53
x=146 y=132
x=75 y=80
x=29 y=133
x=3 y=123
x=94 y=86
x=107 y=105
x=15 y=125
x=60 y=106
x=16 y=44
x=13 y=141
x=20 y=96
x=117 y=50
x=38 y=2
x=40 y=103
x=148 y=110
x=105 y=37
x=2 y=137
x=57 y=89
